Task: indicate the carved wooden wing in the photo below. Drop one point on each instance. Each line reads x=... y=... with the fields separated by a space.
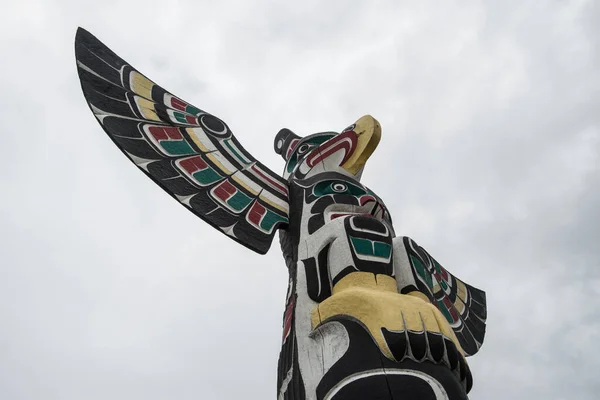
x=463 y=305
x=188 y=152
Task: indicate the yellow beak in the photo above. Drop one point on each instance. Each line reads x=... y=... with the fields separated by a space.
x=369 y=133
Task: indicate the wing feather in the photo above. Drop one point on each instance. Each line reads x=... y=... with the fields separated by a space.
x=464 y=306
x=188 y=152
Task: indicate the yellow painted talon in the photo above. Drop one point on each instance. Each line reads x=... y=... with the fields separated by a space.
x=374 y=301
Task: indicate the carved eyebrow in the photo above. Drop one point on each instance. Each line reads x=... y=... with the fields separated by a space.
x=313 y=142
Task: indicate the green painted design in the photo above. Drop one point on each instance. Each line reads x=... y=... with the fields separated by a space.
x=179 y=117
x=371 y=248
x=442 y=307
x=239 y=201
x=327 y=187
x=292 y=164
x=362 y=246
x=382 y=250
x=207 y=176
x=443 y=284
x=270 y=219
x=437 y=267
x=177 y=147
x=319 y=139
x=422 y=271
x=241 y=158
x=192 y=110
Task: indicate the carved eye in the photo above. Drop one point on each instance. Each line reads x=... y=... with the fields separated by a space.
x=303 y=149
x=350 y=128
x=339 y=187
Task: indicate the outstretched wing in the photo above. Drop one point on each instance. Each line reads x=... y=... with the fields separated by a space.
x=188 y=152
x=463 y=305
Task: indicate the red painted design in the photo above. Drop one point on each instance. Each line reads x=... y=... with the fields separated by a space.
x=256 y=213
x=345 y=141
x=270 y=180
x=191 y=120
x=224 y=191
x=193 y=164
x=366 y=199
x=287 y=322
x=444 y=274
x=451 y=308
x=291 y=148
x=162 y=133
x=178 y=104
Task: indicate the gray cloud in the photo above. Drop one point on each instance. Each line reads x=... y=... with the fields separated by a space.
x=489 y=159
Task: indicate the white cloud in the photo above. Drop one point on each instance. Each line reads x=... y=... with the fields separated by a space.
x=109 y=289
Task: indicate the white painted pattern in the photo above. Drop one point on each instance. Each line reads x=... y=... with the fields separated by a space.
x=335 y=343
x=438 y=389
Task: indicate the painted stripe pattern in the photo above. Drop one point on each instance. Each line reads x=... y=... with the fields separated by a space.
x=188 y=152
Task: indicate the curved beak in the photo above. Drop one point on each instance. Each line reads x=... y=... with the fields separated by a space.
x=368 y=132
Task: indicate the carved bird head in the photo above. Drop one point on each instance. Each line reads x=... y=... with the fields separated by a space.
x=345 y=152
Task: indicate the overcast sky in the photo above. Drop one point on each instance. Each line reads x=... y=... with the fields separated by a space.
x=489 y=159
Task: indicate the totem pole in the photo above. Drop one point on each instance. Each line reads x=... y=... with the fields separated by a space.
x=368 y=314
